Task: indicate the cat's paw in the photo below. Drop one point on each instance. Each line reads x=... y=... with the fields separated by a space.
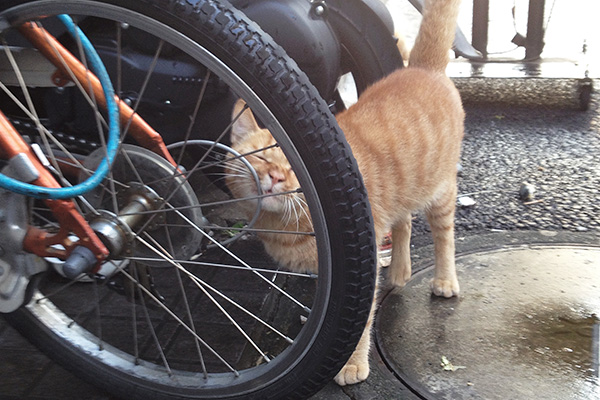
x=352 y=373
x=445 y=287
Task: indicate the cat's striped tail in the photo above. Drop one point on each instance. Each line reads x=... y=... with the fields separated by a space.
x=436 y=35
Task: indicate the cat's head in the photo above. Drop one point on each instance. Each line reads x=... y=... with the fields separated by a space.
x=272 y=167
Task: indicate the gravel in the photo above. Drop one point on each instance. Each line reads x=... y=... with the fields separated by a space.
x=508 y=143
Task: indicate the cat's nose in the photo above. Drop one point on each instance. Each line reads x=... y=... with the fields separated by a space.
x=276 y=177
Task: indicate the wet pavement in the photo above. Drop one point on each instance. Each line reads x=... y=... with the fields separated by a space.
x=524 y=327
x=528 y=311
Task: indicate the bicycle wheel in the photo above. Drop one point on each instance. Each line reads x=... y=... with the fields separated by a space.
x=182 y=311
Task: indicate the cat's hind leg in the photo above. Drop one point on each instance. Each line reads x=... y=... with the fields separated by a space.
x=399 y=271
x=440 y=215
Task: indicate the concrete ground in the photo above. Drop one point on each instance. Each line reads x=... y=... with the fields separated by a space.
x=500 y=236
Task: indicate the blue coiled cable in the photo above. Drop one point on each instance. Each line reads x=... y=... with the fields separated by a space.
x=112 y=110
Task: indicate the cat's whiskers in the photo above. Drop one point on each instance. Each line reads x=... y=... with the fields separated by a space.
x=215 y=180
x=303 y=206
x=234 y=170
x=287 y=216
x=293 y=204
x=225 y=176
x=237 y=167
x=287 y=211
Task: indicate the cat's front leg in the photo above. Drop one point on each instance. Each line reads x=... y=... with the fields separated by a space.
x=445 y=282
x=357 y=367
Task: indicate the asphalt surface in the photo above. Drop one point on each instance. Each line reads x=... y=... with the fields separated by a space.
x=513 y=142
x=507 y=143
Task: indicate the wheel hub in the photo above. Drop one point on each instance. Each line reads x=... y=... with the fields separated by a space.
x=146 y=195
x=116 y=231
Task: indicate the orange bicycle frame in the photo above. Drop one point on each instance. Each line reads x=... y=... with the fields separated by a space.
x=38 y=241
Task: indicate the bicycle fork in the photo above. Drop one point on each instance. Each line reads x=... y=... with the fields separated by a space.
x=109 y=232
x=24 y=165
x=106 y=235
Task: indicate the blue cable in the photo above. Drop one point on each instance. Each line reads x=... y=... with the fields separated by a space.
x=96 y=178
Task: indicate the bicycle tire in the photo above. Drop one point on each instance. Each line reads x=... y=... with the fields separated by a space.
x=247 y=60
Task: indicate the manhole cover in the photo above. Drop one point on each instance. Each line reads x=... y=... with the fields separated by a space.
x=525 y=327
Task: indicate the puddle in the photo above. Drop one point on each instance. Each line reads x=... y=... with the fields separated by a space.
x=562 y=340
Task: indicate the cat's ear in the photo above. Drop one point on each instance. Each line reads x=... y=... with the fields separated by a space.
x=243 y=122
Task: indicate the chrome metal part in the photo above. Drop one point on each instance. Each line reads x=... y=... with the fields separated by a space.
x=115 y=234
x=142 y=206
x=116 y=231
x=35 y=68
x=138 y=199
x=21 y=168
x=16 y=266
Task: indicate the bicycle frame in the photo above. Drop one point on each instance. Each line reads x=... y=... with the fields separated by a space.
x=69 y=68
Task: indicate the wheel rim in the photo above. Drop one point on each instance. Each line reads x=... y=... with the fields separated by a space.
x=76 y=326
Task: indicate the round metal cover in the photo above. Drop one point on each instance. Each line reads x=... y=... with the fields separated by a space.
x=524 y=327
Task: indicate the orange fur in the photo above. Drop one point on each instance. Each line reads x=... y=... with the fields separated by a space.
x=436 y=35
x=286 y=212
x=405 y=133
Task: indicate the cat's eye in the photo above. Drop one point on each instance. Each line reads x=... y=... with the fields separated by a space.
x=261 y=158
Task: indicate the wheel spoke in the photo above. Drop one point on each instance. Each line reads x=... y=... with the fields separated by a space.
x=186 y=303
x=189 y=302
x=170 y=312
x=202 y=285
x=243 y=263
x=98 y=317
x=227 y=266
x=143 y=88
x=149 y=322
x=188 y=312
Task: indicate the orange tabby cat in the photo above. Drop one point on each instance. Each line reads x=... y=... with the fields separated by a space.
x=405 y=132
